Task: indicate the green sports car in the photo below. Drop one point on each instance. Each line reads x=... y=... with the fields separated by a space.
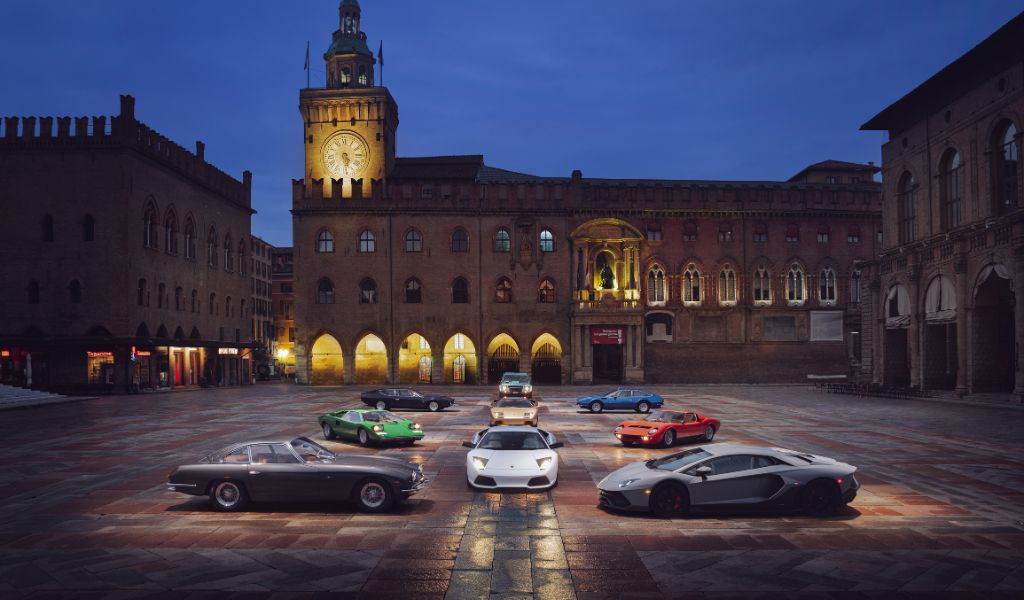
x=366 y=426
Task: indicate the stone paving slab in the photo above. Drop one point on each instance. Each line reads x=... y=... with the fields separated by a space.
x=86 y=514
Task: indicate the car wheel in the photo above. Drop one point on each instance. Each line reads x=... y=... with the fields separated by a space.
x=669 y=438
x=364 y=438
x=709 y=433
x=820 y=498
x=374 y=495
x=642 y=407
x=229 y=496
x=596 y=406
x=433 y=406
x=328 y=432
x=670 y=500
x=382 y=405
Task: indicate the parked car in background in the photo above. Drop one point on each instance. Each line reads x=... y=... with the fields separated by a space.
x=515 y=384
x=665 y=427
x=631 y=399
x=514 y=411
x=388 y=398
x=369 y=426
x=296 y=470
x=512 y=457
x=731 y=477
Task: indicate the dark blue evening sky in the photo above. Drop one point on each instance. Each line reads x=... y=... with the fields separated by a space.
x=669 y=89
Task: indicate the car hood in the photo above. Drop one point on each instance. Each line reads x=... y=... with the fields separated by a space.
x=642 y=424
x=513 y=411
x=518 y=459
x=637 y=470
x=589 y=398
x=393 y=465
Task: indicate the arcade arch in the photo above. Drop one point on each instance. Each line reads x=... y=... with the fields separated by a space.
x=546 y=359
x=415 y=361
x=327 y=362
x=371 y=360
x=502 y=356
x=460 y=364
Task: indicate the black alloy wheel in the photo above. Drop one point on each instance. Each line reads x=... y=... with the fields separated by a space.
x=670 y=500
x=668 y=438
x=820 y=498
x=229 y=496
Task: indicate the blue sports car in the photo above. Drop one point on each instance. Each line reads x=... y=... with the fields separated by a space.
x=637 y=400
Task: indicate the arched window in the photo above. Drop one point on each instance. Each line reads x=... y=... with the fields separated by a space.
x=502 y=241
x=178 y=298
x=690 y=231
x=460 y=291
x=241 y=313
x=228 y=256
x=195 y=301
x=853 y=234
x=367 y=243
x=362 y=75
x=855 y=287
x=460 y=240
x=760 y=233
x=324 y=241
x=795 y=291
x=367 y=291
x=325 y=292
x=211 y=248
x=905 y=208
x=242 y=257
x=792 y=233
x=190 y=239
x=33 y=292
x=346 y=76
x=149 y=236
x=143 y=293
x=75 y=292
x=171 y=232
x=503 y=291
x=762 y=286
x=413 y=291
x=161 y=296
x=725 y=232
x=727 y=286
x=823 y=233
x=547 y=240
x=413 y=241
x=691 y=285
x=48 y=228
x=228 y=307
x=88 y=228
x=827 y=286
x=546 y=292
x=1007 y=160
x=950 y=173
x=213 y=302
x=656 y=286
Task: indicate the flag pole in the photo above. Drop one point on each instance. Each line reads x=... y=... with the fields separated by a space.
x=307 y=64
x=380 y=59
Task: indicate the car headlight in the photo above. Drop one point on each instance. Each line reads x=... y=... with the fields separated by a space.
x=528 y=414
x=415 y=427
x=619 y=428
x=378 y=428
x=503 y=387
x=498 y=415
x=527 y=388
x=628 y=483
x=479 y=462
x=544 y=463
x=652 y=431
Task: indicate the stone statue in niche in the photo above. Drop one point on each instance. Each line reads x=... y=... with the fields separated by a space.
x=605 y=274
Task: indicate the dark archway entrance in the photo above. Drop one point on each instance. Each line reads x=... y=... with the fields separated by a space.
x=504 y=358
x=940 y=357
x=897 y=363
x=607 y=363
x=992 y=337
x=547 y=365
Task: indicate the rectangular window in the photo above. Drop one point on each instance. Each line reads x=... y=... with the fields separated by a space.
x=826 y=326
x=779 y=329
x=426 y=192
x=823 y=237
x=853 y=238
x=760 y=237
x=654 y=235
x=831 y=179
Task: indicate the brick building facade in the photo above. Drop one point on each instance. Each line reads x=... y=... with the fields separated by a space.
x=283 y=305
x=125 y=262
x=941 y=310
x=444 y=269
x=262 y=308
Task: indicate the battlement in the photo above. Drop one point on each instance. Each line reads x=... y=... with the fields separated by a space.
x=124 y=131
x=341 y=189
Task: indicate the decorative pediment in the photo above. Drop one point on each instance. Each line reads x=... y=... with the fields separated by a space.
x=607 y=230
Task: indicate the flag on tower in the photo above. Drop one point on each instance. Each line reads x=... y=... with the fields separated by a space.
x=380 y=53
x=305 y=67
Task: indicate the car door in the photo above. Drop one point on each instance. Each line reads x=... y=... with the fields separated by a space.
x=276 y=473
x=735 y=479
x=349 y=424
x=688 y=426
x=398 y=398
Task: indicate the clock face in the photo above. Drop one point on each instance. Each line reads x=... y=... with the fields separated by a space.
x=345 y=155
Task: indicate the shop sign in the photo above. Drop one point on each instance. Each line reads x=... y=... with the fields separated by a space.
x=607 y=335
x=5 y=353
x=227 y=351
x=143 y=353
x=100 y=354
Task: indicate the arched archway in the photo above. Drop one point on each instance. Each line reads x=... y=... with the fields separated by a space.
x=502 y=356
x=371 y=358
x=328 y=365
x=460 y=365
x=992 y=332
x=939 y=358
x=415 y=361
x=546 y=358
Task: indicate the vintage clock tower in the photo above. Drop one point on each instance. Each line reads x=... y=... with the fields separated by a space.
x=349 y=125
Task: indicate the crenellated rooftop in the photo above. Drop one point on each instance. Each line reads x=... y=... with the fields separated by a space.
x=124 y=131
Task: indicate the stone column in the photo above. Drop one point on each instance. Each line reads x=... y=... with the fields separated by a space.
x=1017 y=285
x=349 y=367
x=962 y=317
x=915 y=333
x=437 y=367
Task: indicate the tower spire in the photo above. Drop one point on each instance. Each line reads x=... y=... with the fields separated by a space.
x=349 y=60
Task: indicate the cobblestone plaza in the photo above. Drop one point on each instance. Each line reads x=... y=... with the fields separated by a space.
x=84 y=506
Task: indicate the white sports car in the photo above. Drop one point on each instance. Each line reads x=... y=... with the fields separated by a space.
x=512 y=457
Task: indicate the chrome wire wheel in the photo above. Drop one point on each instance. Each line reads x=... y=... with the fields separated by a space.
x=373 y=495
x=228 y=496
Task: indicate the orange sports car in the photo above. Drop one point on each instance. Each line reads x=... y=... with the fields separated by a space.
x=664 y=427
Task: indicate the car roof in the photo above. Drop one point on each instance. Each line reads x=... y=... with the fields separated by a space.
x=726 y=449
x=513 y=428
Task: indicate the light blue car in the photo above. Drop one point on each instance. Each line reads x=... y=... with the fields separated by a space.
x=624 y=399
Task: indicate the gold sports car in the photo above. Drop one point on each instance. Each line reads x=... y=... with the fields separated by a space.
x=514 y=411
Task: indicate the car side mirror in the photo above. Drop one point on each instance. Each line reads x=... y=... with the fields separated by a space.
x=555 y=445
x=469 y=444
x=704 y=471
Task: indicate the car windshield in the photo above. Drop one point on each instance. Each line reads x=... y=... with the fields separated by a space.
x=310 y=450
x=514 y=377
x=661 y=416
x=512 y=440
x=674 y=462
x=412 y=393
x=514 y=403
x=382 y=416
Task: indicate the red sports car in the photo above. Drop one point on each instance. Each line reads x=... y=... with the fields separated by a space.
x=664 y=427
